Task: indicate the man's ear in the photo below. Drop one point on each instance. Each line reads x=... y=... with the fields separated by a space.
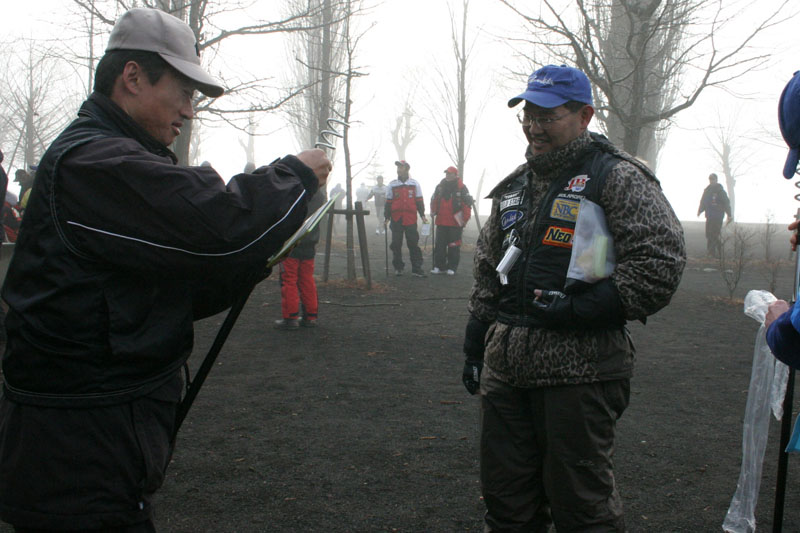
x=132 y=77
x=586 y=114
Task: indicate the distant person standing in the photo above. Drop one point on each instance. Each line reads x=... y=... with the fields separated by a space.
x=403 y=201
x=337 y=204
x=4 y=187
x=716 y=205
x=362 y=193
x=297 y=278
x=378 y=192
x=25 y=180
x=450 y=205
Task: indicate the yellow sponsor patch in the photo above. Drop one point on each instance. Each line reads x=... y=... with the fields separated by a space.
x=564 y=209
x=556 y=236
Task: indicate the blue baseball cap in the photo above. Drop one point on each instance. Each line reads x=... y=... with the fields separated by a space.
x=789 y=120
x=552 y=86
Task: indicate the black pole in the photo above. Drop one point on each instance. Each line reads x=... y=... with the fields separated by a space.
x=208 y=362
x=783 y=457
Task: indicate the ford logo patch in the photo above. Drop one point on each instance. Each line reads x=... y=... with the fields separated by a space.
x=509 y=218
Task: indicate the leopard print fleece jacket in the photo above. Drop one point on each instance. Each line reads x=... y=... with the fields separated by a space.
x=650 y=254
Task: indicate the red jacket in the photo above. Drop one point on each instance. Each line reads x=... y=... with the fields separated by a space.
x=403 y=201
x=449 y=199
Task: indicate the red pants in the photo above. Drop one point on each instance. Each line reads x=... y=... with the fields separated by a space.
x=298 y=273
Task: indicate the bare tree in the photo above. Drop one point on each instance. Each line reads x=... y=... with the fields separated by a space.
x=734 y=255
x=252 y=92
x=34 y=103
x=648 y=60
x=454 y=117
x=733 y=153
x=772 y=263
x=319 y=58
x=404 y=130
x=249 y=144
x=350 y=39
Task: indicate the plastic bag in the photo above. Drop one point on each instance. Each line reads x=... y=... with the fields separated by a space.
x=740 y=517
x=592 y=247
x=425 y=230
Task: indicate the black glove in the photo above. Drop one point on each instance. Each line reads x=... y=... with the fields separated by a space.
x=474 y=342
x=599 y=306
x=471 y=376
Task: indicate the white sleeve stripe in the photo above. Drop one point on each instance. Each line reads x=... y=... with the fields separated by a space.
x=156 y=245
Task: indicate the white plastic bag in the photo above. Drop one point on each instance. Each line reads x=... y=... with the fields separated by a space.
x=765 y=378
x=592 y=246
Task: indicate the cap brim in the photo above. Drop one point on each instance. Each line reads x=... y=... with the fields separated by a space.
x=538 y=98
x=790 y=168
x=205 y=83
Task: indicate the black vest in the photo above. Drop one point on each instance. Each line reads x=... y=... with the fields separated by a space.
x=547 y=246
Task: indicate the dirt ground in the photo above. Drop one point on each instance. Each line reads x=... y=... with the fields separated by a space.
x=363 y=425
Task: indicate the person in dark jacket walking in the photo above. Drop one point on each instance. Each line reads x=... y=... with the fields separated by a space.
x=553 y=363
x=716 y=205
x=297 y=278
x=120 y=250
x=451 y=209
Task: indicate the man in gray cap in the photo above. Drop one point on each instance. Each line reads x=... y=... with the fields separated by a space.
x=119 y=252
x=549 y=354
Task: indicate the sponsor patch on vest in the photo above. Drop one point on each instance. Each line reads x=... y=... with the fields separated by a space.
x=557 y=236
x=564 y=209
x=509 y=218
x=578 y=183
x=511 y=199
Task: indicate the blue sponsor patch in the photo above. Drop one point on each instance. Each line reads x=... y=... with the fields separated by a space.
x=509 y=218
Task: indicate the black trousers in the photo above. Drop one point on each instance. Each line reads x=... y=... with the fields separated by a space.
x=546 y=456
x=713 y=230
x=447 y=251
x=91 y=469
x=412 y=241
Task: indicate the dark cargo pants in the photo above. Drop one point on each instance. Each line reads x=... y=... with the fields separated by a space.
x=546 y=456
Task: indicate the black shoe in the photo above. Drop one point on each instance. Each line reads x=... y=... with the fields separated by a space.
x=419 y=273
x=398 y=272
x=310 y=323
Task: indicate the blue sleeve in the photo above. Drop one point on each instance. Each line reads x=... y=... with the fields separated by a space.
x=784 y=339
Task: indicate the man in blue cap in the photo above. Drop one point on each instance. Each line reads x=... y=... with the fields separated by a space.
x=551 y=358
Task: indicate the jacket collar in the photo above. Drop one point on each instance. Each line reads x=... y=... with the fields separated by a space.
x=103 y=109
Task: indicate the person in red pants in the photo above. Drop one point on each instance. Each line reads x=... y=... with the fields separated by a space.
x=297 y=278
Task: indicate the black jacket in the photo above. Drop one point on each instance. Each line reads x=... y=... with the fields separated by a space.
x=119 y=252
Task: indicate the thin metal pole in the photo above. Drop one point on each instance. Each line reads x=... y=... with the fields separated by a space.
x=786 y=425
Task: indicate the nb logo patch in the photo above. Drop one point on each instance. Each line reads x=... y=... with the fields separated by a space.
x=556 y=236
x=509 y=218
x=565 y=209
x=578 y=183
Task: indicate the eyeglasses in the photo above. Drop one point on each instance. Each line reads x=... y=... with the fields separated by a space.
x=543 y=122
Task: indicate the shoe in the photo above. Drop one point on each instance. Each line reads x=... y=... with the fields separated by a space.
x=451 y=272
x=287 y=323
x=377 y=231
x=398 y=272
x=436 y=270
x=310 y=323
x=418 y=273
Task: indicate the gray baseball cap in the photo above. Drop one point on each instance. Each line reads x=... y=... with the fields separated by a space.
x=153 y=30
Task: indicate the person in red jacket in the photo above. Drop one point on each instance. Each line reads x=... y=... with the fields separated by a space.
x=403 y=201
x=451 y=207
